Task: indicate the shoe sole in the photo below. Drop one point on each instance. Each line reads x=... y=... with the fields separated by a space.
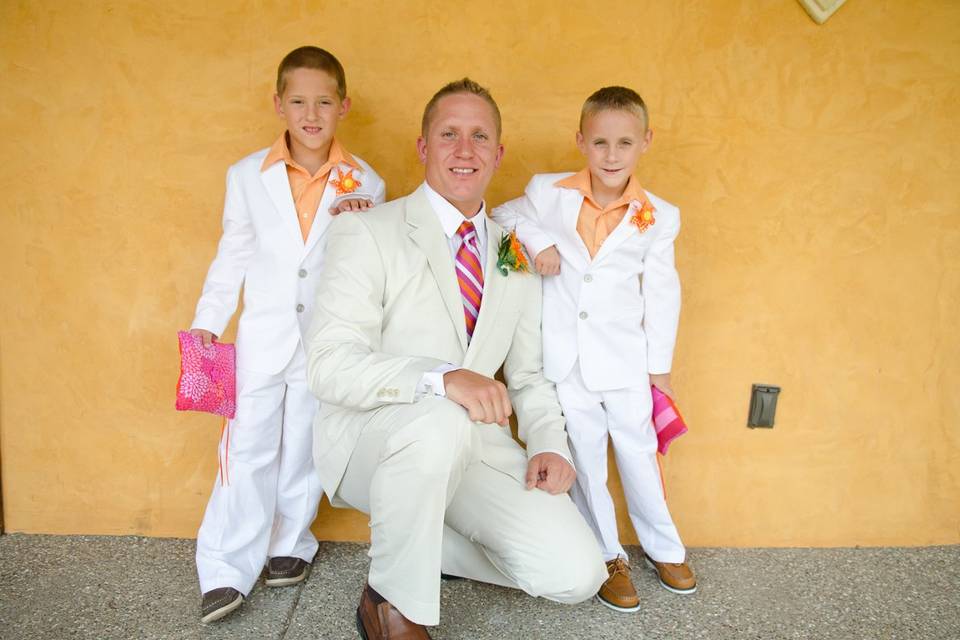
x=616 y=608
x=215 y=615
x=682 y=592
x=363 y=634
x=286 y=582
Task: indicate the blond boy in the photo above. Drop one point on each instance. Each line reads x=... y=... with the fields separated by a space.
x=279 y=203
x=610 y=312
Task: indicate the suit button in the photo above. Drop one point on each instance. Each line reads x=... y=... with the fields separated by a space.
x=302 y=273
x=300 y=308
x=584 y=315
x=588 y=278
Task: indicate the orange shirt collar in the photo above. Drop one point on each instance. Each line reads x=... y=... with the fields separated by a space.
x=281 y=151
x=581 y=182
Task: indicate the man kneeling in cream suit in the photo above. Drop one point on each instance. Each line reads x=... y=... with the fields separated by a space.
x=413 y=319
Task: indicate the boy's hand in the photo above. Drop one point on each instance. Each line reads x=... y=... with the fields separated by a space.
x=485 y=399
x=662 y=381
x=207 y=337
x=550 y=472
x=547 y=261
x=353 y=204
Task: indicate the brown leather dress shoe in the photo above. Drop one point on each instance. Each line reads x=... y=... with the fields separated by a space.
x=282 y=571
x=618 y=592
x=674 y=576
x=377 y=619
x=218 y=603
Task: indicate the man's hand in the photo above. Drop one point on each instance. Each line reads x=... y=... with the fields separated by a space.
x=547 y=261
x=353 y=204
x=662 y=381
x=484 y=398
x=550 y=472
x=207 y=337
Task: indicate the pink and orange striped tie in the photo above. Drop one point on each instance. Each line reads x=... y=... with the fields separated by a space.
x=469 y=275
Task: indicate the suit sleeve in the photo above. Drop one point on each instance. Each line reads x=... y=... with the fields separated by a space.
x=661 y=293
x=541 y=423
x=221 y=289
x=344 y=364
x=522 y=215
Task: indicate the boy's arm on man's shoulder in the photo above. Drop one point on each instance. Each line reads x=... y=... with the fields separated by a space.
x=660 y=285
x=344 y=366
x=221 y=289
x=534 y=398
x=521 y=215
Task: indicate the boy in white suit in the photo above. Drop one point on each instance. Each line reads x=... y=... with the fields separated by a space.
x=611 y=306
x=278 y=206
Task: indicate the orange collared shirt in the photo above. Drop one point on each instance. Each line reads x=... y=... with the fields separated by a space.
x=595 y=223
x=307 y=189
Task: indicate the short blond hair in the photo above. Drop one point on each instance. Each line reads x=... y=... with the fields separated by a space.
x=464 y=85
x=615 y=98
x=312 y=58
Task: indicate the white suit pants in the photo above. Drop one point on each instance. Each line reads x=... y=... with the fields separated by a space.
x=623 y=415
x=435 y=505
x=267 y=492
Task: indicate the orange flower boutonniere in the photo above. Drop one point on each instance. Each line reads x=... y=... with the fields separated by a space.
x=510 y=255
x=345 y=182
x=643 y=216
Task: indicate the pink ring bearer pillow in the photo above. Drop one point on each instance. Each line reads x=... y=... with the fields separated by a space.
x=208 y=376
x=667 y=421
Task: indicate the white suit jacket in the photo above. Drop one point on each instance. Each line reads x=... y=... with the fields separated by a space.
x=262 y=249
x=389 y=309
x=617 y=313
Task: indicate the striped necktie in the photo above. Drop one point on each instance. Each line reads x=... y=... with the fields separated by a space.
x=469 y=275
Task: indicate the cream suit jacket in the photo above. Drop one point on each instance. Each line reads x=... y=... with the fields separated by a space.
x=618 y=313
x=263 y=250
x=388 y=309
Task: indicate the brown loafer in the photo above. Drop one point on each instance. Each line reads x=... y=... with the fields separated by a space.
x=283 y=571
x=377 y=619
x=618 y=592
x=674 y=576
x=218 y=603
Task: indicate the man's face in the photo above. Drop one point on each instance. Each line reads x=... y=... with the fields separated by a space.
x=461 y=150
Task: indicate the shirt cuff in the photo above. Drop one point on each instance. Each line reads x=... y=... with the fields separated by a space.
x=431 y=382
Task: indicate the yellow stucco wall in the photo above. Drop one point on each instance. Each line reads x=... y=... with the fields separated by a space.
x=816 y=169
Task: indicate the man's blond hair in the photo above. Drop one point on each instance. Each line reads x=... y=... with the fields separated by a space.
x=312 y=58
x=465 y=85
x=615 y=98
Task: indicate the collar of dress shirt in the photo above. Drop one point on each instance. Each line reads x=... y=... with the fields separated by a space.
x=451 y=218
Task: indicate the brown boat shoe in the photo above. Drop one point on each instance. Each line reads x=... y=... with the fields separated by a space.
x=377 y=619
x=219 y=603
x=283 y=571
x=674 y=576
x=618 y=592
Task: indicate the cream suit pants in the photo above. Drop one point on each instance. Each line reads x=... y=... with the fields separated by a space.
x=270 y=491
x=436 y=506
x=623 y=415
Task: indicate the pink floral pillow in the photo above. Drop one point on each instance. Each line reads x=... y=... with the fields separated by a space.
x=208 y=376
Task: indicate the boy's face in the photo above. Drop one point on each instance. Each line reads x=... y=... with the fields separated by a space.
x=461 y=150
x=311 y=108
x=612 y=141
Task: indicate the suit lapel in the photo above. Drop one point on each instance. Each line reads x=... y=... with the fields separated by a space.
x=278 y=188
x=428 y=235
x=571 y=201
x=621 y=232
x=323 y=218
x=494 y=287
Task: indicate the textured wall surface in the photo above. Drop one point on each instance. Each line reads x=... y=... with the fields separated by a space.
x=816 y=168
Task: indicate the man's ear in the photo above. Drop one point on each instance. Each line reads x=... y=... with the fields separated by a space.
x=422 y=149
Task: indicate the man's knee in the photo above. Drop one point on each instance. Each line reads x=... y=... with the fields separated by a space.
x=574 y=578
x=440 y=437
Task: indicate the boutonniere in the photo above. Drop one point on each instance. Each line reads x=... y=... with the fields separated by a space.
x=643 y=217
x=510 y=255
x=345 y=182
